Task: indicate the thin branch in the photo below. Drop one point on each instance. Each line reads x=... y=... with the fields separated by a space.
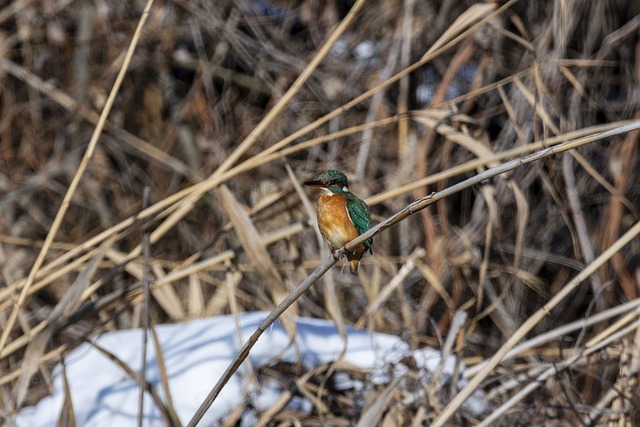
x=399 y=216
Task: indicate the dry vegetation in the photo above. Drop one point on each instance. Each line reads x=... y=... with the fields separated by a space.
x=206 y=120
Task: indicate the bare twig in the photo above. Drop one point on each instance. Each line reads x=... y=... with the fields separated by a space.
x=401 y=215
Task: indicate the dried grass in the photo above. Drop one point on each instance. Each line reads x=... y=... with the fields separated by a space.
x=221 y=96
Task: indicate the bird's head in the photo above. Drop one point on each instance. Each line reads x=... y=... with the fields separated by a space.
x=332 y=181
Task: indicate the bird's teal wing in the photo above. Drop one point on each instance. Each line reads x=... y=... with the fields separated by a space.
x=360 y=216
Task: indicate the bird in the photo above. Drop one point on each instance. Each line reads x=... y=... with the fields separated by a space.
x=342 y=216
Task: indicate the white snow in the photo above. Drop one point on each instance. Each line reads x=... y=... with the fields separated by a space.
x=196 y=353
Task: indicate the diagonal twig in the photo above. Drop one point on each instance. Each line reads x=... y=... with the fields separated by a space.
x=399 y=216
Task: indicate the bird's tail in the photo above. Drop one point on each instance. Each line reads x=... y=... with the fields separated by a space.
x=354 y=258
x=353 y=265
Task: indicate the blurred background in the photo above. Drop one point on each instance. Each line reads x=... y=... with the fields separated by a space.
x=203 y=77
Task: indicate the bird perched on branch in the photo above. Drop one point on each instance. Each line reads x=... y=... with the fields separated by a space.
x=342 y=216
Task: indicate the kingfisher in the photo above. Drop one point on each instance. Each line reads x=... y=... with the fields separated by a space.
x=342 y=216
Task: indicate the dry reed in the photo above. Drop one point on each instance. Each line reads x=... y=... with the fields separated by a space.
x=524 y=269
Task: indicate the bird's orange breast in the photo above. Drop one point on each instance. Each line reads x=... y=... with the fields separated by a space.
x=334 y=222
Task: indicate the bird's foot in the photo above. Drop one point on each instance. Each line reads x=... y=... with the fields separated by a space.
x=347 y=250
x=336 y=256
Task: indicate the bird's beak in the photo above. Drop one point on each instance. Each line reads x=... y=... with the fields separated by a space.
x=316 y=183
